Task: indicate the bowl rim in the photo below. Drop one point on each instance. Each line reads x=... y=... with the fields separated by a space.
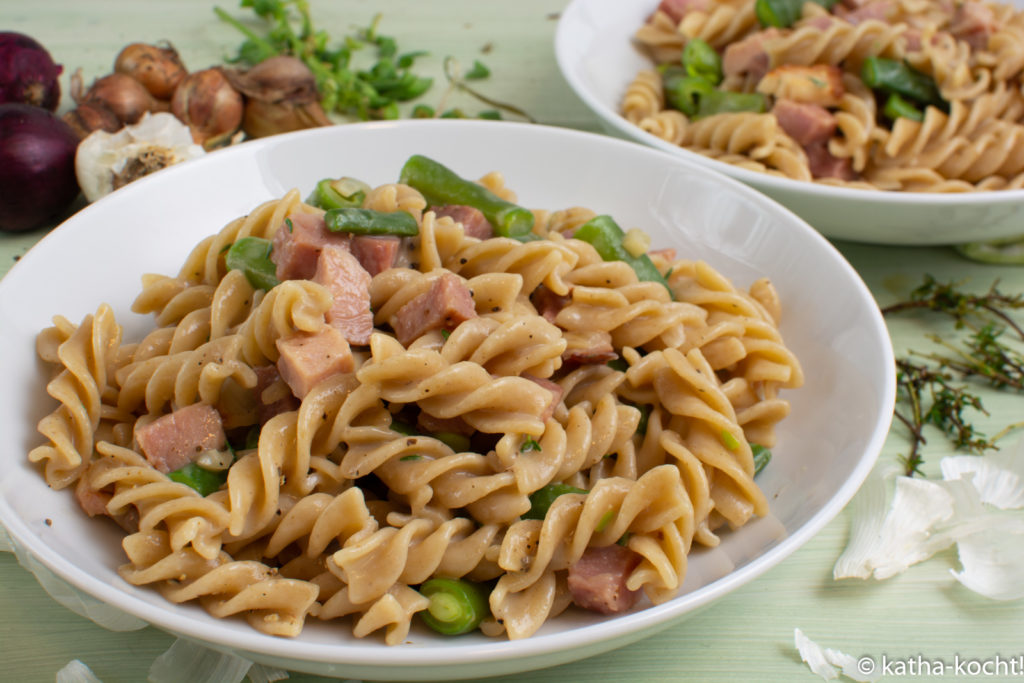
x=171 y=618
x=564 y=38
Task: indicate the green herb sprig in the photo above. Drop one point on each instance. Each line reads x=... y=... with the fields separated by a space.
x=371 y=92
x=932 y=387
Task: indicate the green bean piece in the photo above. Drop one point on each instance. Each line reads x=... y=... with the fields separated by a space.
x=440 y=185
x=685 y=93
x=896 y=107
x=895 y=76
x=702 y=61
x=724 y=101
x=251 y=255
x=459 y=443
x=202 y=480
x=605 y=235
x=403 y=428
x=784 y=13
x=778 y=13
x=370 y=222
x=542 y=498
x=761 y=457
x=456 y=606
x=338 y=194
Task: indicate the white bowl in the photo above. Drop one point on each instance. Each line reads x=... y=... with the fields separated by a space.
x=826 y=447
x=597 y=56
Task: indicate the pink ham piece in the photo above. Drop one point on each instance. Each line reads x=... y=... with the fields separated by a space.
x=556 y=394
x=973 y=23
x=597 y=581
x=309 y=358
x=473 y=221
x=548 y=304
x=93 y=502
x=599 y=352
x=823 y=164
x=445 y=305
x=748 y=56
x=805 y=123
x=174 y=440
x=340 y=272
x=375 y=253
x=677 y=9
x=297 y=245
x=265 y=376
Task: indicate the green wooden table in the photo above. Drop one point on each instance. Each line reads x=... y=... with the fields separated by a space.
x=746 y=636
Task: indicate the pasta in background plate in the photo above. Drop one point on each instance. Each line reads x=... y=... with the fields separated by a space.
x=817 y=120
x=343 y=424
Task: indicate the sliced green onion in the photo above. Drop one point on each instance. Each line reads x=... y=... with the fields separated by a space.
x=730 y=441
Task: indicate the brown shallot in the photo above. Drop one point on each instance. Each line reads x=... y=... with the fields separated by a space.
x=90 y=116
x=209 y=105
x=158 y=68
x=119 y=93
x=281 y=96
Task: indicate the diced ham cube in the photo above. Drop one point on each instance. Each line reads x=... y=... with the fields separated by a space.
x=973 y=23
x=297 y=245
x=877 y=10
x=585 y=348
x=445 y=305
x=748 y=56
x=174 y=440
x=820 y=84
x=340 y=272
x=375 y=253
x=428 y=424
x=306 y=359
x=677 y=9
x=265 y=376
x=805 y=123
x=597 y=581
x=473 y=221
x=548 y=304
x=823 y=164
x=556 y=394
x=93 y=502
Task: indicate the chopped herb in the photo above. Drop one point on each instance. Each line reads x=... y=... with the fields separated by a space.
x=407 y=458
x=730 y=441
x=288 y=222
x=478 y=71
x=605 y=520
x=530 y=445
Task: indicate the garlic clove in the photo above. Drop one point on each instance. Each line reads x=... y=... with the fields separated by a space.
x=106 y=161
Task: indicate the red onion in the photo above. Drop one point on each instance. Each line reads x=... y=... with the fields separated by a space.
x=27 y=72
x=37 y=166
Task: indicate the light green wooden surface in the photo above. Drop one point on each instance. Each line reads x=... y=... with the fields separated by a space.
x=748 y=635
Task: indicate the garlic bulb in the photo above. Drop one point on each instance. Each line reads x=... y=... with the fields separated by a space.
x=106 y=161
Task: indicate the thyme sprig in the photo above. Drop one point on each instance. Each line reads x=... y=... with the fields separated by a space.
x=932 y=391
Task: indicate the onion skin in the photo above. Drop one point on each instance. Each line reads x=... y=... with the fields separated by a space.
x=210 y=106
x=158 y=69
x=27 y=72
x=37 y=166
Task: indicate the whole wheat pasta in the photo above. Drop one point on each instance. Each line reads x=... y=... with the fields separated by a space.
x=814 y=117
x=632 y=401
